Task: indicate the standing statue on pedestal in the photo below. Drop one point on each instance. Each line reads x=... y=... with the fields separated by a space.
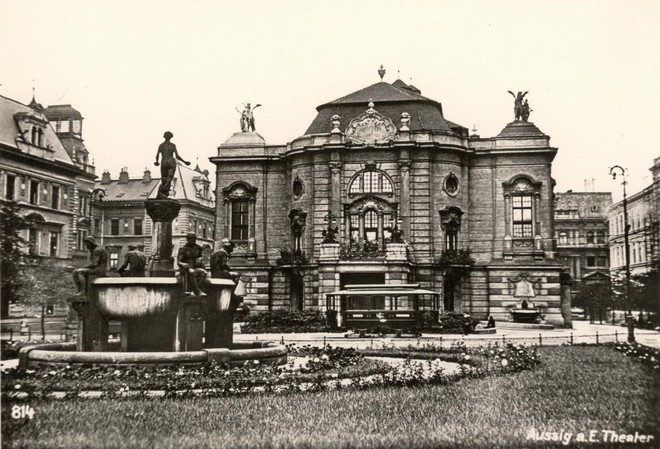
x=247 y=118
x=168 y=164
x=518 y=104
x=191 y=265
x=96 y=267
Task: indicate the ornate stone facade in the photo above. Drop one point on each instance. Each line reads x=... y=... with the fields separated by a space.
x=429 y=182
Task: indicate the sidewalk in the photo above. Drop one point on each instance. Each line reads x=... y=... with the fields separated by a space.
x=582 y=332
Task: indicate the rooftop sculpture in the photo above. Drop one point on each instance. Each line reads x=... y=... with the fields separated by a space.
x=521 y=109
x=247 y=118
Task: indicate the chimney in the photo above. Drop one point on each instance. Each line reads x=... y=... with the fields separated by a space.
x=105 y=179
x=123 y=176
x=147 y=175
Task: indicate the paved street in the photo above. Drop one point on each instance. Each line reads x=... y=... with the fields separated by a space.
x=582 y=332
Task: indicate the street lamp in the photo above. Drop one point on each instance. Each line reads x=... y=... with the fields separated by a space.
x=626 y=230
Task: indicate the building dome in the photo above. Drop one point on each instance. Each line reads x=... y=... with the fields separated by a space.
x=390 y=100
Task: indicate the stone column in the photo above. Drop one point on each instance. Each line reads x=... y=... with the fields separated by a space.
x=404 y=175
x=335 y=189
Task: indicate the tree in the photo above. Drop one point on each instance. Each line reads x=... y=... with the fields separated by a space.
x=13 y=254
x=595 y=298
x=644 y=288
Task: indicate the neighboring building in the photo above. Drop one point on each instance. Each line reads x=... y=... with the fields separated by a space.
x=582 y=233
x=51 y=184
x=380 y=160
x=120 y=219
x=643 y=234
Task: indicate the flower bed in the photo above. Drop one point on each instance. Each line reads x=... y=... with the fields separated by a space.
x=648 y=356
x=325 y=368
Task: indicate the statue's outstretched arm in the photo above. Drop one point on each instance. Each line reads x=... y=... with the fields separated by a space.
x=514 y=95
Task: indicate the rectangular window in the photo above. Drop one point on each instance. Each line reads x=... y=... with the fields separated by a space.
x=522 y=216
x=239 y=220
x=114 y=259
x=83 y=207
x=54 y=243
x=355 y=228
x=114 y=226
x=55 y=198
x=601 y=261
x=137 y=226
x=82 y=234
x=33 y=241
x=11 y=185
x=97 y=226
x=34 y=192
x=591 y=261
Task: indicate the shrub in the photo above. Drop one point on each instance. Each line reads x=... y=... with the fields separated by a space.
x=456 y=322
x=285 y=321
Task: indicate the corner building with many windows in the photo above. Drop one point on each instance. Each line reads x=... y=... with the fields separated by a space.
x=408 y=193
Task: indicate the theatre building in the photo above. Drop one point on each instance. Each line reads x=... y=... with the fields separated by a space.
x=382 y=188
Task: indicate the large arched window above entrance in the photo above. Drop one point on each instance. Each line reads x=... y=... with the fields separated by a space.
x=239 y=218
x=369 y=220
x=369 y=181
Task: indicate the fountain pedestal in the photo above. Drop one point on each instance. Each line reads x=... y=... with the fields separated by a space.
x=162 y=212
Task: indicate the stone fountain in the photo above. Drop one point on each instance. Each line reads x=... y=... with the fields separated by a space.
x=161 y=322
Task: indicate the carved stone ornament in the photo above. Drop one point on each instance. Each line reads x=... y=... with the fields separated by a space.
x=450 y=216
x=371 y=128
x=522 y=286
x=336 y=123
x=335 y=166
x=405 y=121
x=369 y=203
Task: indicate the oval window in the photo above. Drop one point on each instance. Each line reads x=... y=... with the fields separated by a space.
x=297 y=188
x=451 y=185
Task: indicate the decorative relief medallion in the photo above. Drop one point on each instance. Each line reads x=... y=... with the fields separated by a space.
x=371 y=128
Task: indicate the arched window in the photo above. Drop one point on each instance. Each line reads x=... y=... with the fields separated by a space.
x=370 y=220
x=600 y=237
x=370 y=180
x=33 y=136
x=563 y=238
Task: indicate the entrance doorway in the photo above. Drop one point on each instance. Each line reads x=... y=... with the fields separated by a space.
x=449 y=294
x=361 y=278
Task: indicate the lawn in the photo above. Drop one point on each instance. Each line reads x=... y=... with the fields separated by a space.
x=576 y=389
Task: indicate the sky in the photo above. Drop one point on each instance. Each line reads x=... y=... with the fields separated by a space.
x=137 y=69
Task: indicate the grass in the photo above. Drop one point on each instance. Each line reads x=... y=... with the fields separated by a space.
x=576 y=389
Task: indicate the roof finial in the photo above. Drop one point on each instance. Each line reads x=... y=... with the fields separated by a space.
x=398 y=74
x=381 y=72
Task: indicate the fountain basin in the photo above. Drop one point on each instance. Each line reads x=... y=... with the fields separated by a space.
x=128 y=298
x=57 y=354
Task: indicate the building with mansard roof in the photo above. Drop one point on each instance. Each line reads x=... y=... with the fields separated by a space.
x=383 y=165
x=120 y=218
x=49 y=182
